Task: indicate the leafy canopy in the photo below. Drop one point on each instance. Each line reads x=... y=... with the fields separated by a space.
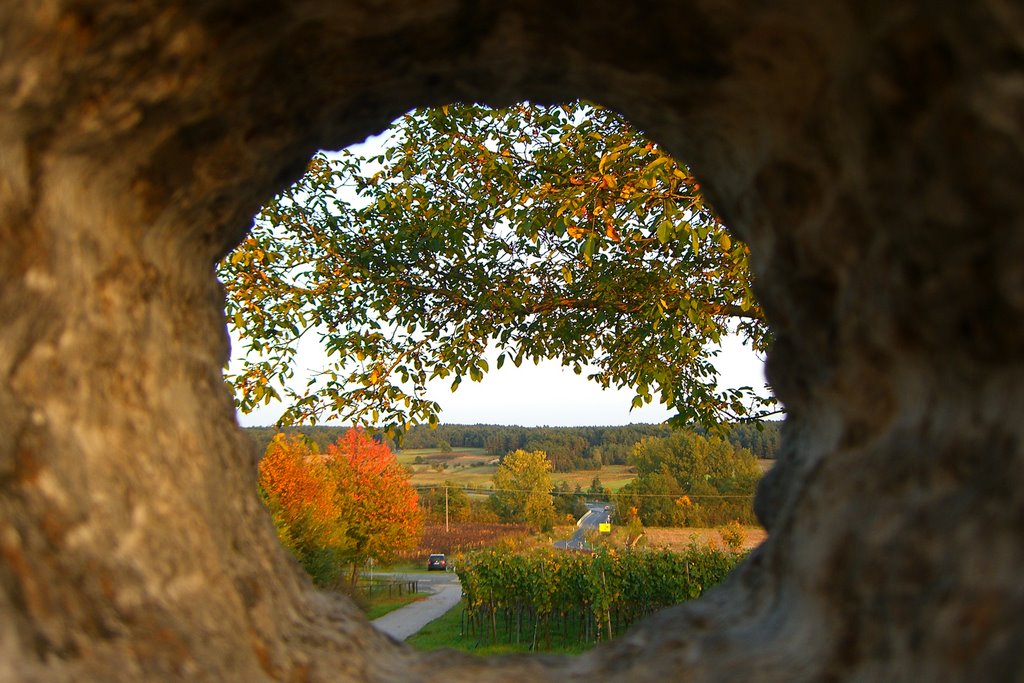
x=691 y=480
x=546 y=232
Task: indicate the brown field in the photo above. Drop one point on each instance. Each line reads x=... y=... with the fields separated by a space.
x=465 y=536
x=679 y=538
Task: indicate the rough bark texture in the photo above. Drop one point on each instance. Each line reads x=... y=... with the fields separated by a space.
x=871 y=153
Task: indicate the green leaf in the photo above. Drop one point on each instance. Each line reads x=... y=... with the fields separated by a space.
x=588 y=248
x=654 y=165
x=665 y=230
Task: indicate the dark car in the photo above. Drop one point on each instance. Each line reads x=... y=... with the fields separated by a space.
x=436 y=561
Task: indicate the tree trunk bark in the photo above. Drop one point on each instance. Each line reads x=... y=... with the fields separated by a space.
x=870 y=154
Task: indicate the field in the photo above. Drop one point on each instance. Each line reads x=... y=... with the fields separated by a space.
x=474 y=468
x=477 y=477
x=679 y=538
x=462 y=456
x=611 y=476
x=464 y=466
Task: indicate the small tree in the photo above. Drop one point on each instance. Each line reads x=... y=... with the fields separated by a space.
x=298 y=489
x=732 y=535
x=523 y=489
x=381 y=507
x=634 y=531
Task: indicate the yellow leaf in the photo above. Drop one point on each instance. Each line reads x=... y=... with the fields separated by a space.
x=575 y=231
x=725 y=241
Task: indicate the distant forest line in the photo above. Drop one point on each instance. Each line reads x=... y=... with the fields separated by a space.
x=568 y=448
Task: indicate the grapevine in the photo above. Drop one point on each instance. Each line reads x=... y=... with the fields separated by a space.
x=566 y=598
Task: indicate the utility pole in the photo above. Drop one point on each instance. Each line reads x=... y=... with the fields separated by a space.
x=446 y=509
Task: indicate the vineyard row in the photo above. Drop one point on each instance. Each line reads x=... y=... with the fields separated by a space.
x=572 y=598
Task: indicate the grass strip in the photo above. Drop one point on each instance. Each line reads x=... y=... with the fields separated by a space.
x=446 y=632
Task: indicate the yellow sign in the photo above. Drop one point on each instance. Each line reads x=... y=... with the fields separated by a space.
x=604 y=528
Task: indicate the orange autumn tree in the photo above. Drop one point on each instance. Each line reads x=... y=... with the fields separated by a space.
x=299 y=489
x=381 y=507
x=353 y=503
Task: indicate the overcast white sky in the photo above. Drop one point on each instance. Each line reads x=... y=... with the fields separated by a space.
x=546 y=394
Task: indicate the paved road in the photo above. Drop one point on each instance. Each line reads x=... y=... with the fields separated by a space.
x=596 y=515
x=407 y=620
